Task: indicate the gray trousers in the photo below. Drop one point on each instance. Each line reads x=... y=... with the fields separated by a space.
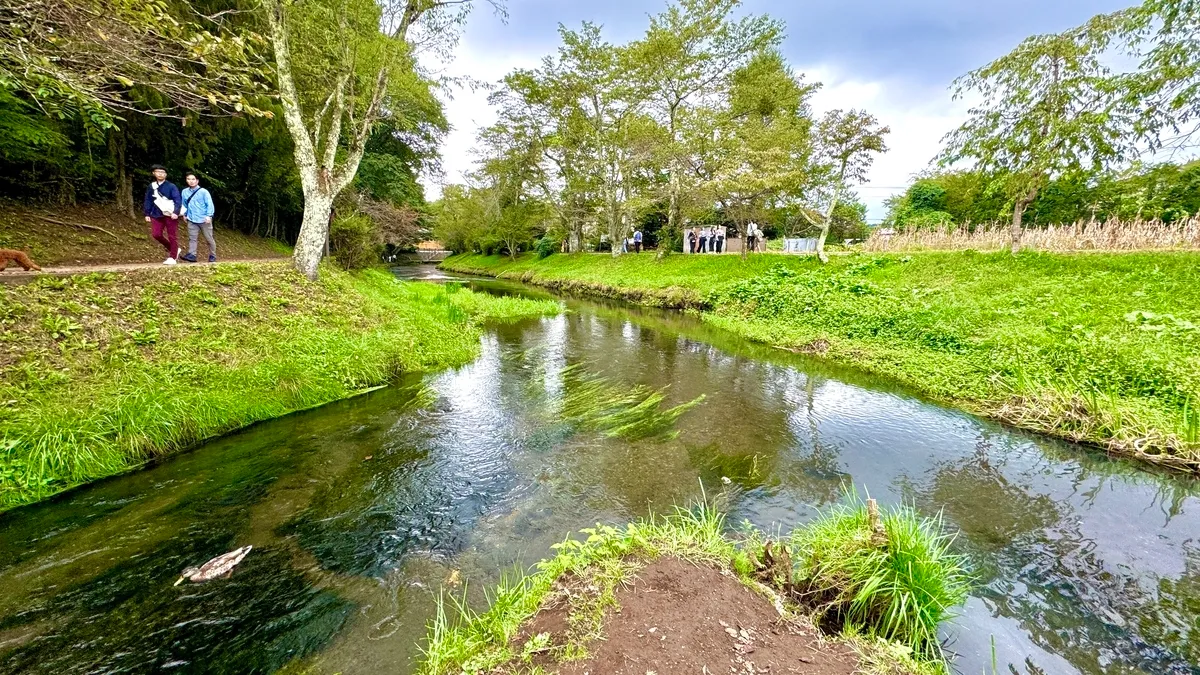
x=194 y=234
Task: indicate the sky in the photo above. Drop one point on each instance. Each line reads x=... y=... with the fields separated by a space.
x=894 y=58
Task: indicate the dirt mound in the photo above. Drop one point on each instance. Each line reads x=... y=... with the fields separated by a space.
x=680 y=619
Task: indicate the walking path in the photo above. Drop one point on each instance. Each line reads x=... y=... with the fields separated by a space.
x=21 y=276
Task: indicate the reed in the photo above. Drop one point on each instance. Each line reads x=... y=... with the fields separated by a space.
x=1108 y=235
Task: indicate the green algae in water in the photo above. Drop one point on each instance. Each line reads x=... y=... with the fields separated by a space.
x=596 y=403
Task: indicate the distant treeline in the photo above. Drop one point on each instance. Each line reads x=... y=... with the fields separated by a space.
x=1165 y=192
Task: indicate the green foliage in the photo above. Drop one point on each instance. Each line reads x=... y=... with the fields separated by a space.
x=86 y=60
x=926 y=195
x=150 y=382
x=1049 y=108
x=353 y=240
x=1167 y=192
x=700 y=116
x=900 y=587
x=25 y=134
x=546 y=246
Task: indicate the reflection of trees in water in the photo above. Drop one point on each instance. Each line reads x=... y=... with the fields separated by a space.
x=988 y=508
x=1176 y=624
x=1035 y=566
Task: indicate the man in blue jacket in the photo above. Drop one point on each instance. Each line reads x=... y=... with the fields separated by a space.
x=161 y=206
x=198 y=208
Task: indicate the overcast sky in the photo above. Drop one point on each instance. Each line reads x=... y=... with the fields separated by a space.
x=895 y=58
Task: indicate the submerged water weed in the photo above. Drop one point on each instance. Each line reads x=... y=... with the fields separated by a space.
x=900 y=586
x=596 y=403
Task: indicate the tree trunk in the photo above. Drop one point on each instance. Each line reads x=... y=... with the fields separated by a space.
x=837 y=195
x=123 y=183
x=673 y=207
x=310 y=245
x=1018 y=214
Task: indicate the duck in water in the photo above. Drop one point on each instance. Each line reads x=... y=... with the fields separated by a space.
x=221 y=565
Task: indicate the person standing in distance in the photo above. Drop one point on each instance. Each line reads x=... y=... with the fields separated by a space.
x=198 y=208
x=637 y=240
x=161 y=207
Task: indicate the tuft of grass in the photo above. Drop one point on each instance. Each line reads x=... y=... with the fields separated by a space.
x=175 y=357
x=900 y=586
x=1097 y=347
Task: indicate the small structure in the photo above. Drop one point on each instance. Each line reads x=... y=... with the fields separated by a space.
x=432 y=251
x=806 y=245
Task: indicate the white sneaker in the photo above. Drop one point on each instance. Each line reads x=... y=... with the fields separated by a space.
x=169 y=261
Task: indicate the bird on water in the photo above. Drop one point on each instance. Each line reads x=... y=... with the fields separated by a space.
x=218 y=566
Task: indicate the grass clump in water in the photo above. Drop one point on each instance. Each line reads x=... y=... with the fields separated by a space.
x=889 y=575
x=595 y=403
x=893 y=596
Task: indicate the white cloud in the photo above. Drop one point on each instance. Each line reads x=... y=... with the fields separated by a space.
x=468 y=111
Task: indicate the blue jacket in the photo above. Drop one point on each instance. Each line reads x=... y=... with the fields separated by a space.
x=199 y=204
x=168 y=190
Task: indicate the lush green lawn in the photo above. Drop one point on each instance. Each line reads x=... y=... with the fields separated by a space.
x=1094 y=347
x=104 y=371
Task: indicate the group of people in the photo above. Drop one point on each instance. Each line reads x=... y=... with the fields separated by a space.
x=165 y=204
x=708 y=239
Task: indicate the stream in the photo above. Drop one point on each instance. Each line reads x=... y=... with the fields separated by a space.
x=361 y=510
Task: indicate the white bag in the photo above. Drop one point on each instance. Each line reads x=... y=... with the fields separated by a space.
x=165 y=205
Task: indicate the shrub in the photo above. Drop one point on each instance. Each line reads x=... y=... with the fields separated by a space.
x=546 y=247
x=898 y=584
x=354 y=241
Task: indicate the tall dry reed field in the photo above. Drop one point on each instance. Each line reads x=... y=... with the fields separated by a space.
x=1109 y=235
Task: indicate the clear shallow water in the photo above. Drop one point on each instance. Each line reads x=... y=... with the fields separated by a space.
x=1086 y=565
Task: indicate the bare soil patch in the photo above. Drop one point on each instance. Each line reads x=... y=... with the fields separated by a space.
x=677 y=618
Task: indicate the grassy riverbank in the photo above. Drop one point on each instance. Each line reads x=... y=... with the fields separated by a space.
x=668 y=595
x=105 y=371
x=1093 y=347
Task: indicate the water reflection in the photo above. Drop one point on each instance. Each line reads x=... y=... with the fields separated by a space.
x=359 y=511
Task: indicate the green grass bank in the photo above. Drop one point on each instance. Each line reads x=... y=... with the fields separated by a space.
x=1099 y=348
x=103 y=372
x=880 y=583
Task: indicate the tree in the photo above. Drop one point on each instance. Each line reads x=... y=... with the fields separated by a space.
x=1048 y=108
x=347 y=63
x=756 y=152
x=685 y=60
x=1164 y=88
x=97 y=59
x=848 y=141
